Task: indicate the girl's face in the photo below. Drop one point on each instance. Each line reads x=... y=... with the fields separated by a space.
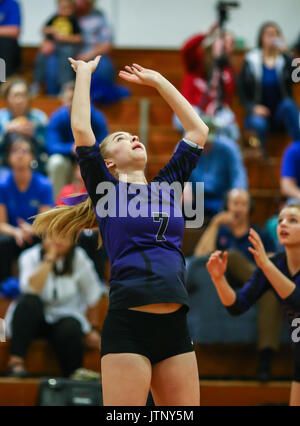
x=269 y=36
x=20 y=155
x=288 y=228
x=18 y=99
x=239 y=204
x=125 y=153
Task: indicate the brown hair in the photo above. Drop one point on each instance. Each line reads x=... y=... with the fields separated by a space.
x=68 y=221
x=10 y=83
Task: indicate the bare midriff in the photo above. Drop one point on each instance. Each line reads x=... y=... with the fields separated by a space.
x=158 y=308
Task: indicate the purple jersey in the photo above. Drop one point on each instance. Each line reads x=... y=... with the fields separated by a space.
x=259 y=284
x=147 y=264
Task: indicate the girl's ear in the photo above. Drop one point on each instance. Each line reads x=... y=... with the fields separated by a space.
x=109 y=163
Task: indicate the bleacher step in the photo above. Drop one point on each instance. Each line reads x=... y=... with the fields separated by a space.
x=24 y=392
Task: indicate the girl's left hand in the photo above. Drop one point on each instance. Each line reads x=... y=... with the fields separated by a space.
x=258 y=249
x=90 y=65
x=139 y=75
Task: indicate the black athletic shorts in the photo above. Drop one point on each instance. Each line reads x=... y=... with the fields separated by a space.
x=156 y=336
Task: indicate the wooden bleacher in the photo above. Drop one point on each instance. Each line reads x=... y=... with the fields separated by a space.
x=221 y=361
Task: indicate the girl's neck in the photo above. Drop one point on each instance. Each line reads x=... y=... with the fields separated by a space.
x=293 y=259
x=136 y=176
x=270 y=55
x=22 y=178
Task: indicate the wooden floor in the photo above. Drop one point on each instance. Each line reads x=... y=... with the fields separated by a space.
x=16 y=392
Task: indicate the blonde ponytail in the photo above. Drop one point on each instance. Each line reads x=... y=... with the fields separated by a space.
x=67 y=221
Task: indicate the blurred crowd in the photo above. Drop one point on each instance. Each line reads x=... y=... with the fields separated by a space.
x=38 y=169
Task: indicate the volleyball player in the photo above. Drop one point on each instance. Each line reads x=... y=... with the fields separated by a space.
x=145 y=340
x=280 y=273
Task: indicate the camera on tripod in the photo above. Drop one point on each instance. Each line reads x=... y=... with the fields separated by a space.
x=223 y=8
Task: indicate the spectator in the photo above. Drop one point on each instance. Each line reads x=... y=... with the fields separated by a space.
x=62 y=39
x=221 y=168
x=23 y=194
x=60 y=140
x=19 y=117
x=265 y=86
x=229 y=231
x=209 y=81
x=59 y=293
x=290 y=173
x=10 y=23
x=97 y=40
x=88 y=239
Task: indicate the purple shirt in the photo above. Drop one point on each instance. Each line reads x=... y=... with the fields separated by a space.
x=259 y=284
x=147 y=264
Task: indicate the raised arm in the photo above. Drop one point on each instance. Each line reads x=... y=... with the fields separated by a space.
x=195 y=129
x=283 y=286
x=81 y=105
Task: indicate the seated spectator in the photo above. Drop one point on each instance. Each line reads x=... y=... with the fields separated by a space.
x=62 y=40
x=88 y=239
x=229 y=231
x=19 y=117
x=10 y=23
x=97 y=40
x=209 y=81
x=221 y=169
x=290 y=173
x=59 y=293
x=60 y=140
x=265 y=86
x=23 y=194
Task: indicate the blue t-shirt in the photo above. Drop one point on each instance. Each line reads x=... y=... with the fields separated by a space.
x=23 y=205
x=59 y=136
x=290 y=165
x=271 y=94
x=221 y=169
x=147 y=264
x=10 y=13
x=259 y=284
x=227 y=241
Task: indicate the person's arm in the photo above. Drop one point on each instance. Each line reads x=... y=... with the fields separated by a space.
x=195 y=129
x=245 y=83
x=54 y=144
x=81 y=105
x=38 y=279
x=240 y=302
x=99 y=124
x=289 y=172
x=12 y=31
x=283 y=286
x=74 y=38
x=216 y=267
x=208 y=241
x=289 y=187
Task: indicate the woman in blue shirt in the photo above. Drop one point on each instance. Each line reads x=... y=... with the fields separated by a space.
x=145 y=341
x=265 y=86
x=281 y=273
x=23 y=194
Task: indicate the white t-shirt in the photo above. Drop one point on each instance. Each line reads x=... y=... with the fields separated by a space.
x=62 y=296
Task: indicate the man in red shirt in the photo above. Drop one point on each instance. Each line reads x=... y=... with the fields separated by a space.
x=209 y=80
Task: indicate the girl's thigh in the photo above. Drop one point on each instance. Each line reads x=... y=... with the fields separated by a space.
x=126 y=379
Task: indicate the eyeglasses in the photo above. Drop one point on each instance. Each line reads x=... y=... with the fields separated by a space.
x=21 y=150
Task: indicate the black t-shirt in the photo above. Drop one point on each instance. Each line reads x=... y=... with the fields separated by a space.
x=65 y=25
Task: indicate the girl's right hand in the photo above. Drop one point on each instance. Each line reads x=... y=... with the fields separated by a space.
x=90 y=65
x=217 y=264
